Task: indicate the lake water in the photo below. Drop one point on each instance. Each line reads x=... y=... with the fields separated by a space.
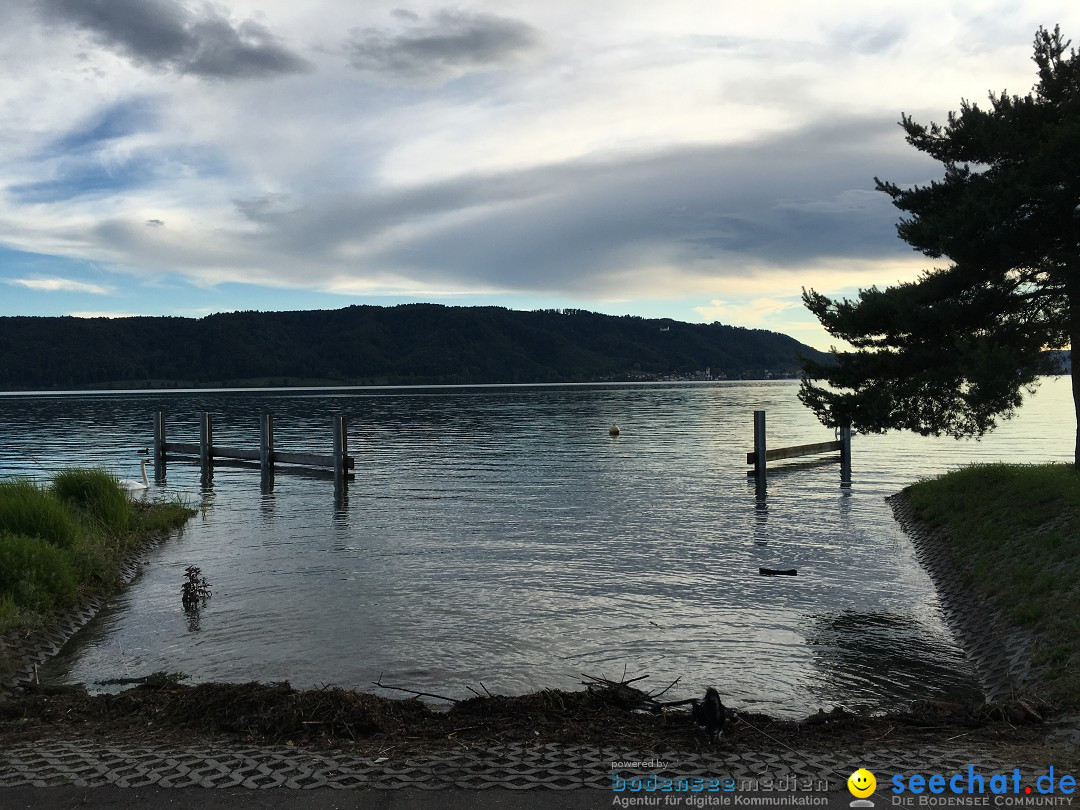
x=499 y=534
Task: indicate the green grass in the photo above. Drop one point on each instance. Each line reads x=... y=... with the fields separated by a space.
x=162 y=516
x=35 y=575
x=26 y=508
x=96 y=494
x=1015 y=532
x=73 y=535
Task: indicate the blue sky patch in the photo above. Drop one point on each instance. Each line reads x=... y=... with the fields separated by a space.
x=117 y=121
x=80 y=177
x=95 y=175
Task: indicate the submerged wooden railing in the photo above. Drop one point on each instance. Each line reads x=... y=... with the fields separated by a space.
x=760 y=455
x=205 y=452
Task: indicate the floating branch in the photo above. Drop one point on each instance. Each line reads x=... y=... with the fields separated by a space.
x=382 y=685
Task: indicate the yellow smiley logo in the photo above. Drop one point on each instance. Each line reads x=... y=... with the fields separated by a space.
x=861 y=783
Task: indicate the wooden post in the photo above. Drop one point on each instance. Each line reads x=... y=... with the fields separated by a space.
x=159 y=446
x=341 y=469
x=845 y=454
x=206 y=449
x=341 y=449
x=759 y=446
x=266 y=444
x=206 y=440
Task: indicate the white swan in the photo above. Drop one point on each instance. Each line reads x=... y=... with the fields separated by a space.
x=135 y=486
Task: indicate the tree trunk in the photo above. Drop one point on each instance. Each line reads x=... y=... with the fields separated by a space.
x=1073 y=289
x=1074 y=360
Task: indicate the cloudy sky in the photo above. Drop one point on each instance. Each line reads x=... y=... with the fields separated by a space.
x=695 y=160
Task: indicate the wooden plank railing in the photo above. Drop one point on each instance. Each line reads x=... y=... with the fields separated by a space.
x=206 y=451
x=760 y=454
x=798 y=450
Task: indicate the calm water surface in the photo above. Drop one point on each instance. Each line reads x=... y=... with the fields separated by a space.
x=500 y=535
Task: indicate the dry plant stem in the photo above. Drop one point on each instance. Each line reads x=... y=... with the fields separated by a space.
x=655 y=695
x=606 y=682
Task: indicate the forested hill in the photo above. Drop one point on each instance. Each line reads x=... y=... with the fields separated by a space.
x=408 y=344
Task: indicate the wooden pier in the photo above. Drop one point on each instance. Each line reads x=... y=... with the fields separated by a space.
x=760 y=456
x=205 y=453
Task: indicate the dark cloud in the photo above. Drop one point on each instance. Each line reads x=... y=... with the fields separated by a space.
x=448 y=44
x=154 y=223
x=167 y=35
x=803 y=197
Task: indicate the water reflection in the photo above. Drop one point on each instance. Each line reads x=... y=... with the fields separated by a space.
x=266 y=504
x=761 y=511
x=266 y=479
x=341 y=498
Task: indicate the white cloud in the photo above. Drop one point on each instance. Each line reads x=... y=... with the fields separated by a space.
x=748 y=313
x=58 y=285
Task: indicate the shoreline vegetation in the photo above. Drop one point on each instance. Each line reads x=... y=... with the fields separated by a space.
x=410 y=344
x=1014 y=538
x=1014 y=535
x=68 y=539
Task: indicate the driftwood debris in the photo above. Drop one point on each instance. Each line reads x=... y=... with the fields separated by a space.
x=155 y=680
x=604 y=713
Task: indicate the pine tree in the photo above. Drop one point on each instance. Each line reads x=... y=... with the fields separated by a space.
x=954 y=351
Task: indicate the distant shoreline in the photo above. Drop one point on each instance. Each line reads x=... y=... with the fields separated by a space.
x=351 y=387
x=414 y=344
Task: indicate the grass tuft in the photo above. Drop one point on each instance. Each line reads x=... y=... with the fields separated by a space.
x=9 y=613
x=35 y=575
x=27 y=509
x=162 y=516
x=98 y=495
x=1015 y=532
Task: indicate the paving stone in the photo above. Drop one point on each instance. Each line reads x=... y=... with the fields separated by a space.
x=554 y=768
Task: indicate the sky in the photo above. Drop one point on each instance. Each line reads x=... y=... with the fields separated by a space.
x=702 y=161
